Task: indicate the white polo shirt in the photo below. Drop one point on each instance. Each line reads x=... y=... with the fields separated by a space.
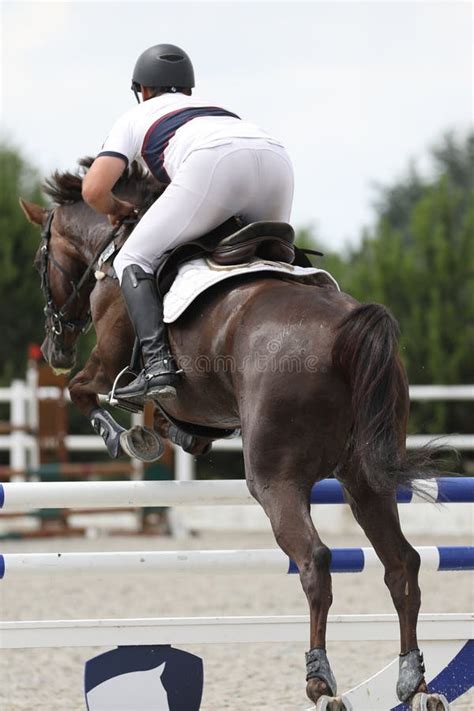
x=163 y=131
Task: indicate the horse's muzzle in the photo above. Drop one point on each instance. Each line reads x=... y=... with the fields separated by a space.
x=61 y=359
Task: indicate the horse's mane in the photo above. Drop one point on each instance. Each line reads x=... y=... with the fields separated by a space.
x=65 y=188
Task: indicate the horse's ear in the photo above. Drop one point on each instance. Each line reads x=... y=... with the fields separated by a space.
x=34 y=213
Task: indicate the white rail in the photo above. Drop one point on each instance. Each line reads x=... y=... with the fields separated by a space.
x=23 y=397
x=209 y=630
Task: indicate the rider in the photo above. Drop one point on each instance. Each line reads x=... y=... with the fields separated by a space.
x=216 y=166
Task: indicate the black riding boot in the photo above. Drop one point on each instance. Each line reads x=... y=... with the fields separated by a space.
x=145 y=308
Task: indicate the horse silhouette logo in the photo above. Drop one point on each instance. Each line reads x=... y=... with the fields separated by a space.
x=144 y=678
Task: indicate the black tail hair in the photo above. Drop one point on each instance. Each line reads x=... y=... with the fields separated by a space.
x=366 y=351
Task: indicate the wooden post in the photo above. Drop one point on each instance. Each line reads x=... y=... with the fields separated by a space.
x=52 y=418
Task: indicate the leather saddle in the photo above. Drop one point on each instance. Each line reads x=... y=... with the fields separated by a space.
x=269 y=240
x=230 y=243
x=233 y=243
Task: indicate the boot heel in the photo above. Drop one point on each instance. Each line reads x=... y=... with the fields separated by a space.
x=162 y=392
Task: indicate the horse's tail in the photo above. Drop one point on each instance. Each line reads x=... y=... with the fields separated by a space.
x=366 y=352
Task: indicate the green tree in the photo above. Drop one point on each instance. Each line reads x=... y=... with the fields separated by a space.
x=21 y=303
x=332 y=262
x=418 y=259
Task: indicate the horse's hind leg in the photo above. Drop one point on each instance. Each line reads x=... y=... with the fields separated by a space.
x=286 y=503
x=377 y=514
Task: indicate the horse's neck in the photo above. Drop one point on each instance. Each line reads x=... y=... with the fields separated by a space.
x=93 y=229
x=91 y=234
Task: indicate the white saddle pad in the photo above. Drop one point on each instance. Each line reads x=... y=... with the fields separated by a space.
x=200 y=274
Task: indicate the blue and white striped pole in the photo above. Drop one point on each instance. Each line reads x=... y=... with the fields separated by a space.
x=453 y=490
x=27 y=496
x=259 y=561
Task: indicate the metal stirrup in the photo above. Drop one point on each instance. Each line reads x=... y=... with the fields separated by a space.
x=112 y=399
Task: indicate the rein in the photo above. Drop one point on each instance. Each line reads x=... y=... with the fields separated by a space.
x=58 y=316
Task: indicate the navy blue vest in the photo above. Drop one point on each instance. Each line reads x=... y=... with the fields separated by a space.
x=162 y=131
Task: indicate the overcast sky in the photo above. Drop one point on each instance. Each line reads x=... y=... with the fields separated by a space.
x=354 y=89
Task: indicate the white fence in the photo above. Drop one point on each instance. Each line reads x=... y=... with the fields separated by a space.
x=23 y=397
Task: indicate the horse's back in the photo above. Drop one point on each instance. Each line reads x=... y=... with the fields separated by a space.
x=259 y=344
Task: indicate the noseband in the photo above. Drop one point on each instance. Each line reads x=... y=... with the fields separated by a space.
x=60 y=322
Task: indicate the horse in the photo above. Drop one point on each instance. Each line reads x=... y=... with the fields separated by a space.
x=314 y=381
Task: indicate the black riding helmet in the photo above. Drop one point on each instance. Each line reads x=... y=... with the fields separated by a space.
x=163 y=66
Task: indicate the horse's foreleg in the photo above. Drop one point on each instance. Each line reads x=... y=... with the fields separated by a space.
x=140 y=442
x=192 y=444
x=88 y=383
x=84 y=388
x=378 y=517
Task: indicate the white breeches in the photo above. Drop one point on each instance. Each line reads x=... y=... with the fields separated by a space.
x=248 y=177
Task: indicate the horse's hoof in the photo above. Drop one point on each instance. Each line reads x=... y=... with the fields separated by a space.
x=333 y=703
x=429 y=702
x=142 y=443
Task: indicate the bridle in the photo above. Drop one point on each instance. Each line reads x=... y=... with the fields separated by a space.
x=57 y=317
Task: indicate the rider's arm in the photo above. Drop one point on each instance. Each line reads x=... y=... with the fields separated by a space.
x=98 y=183
x=119 y=149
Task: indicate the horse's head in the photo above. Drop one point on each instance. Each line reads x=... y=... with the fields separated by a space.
x=60 y=267
x=71 y=234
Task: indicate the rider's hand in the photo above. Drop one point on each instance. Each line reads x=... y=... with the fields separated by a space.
x=122 y=209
